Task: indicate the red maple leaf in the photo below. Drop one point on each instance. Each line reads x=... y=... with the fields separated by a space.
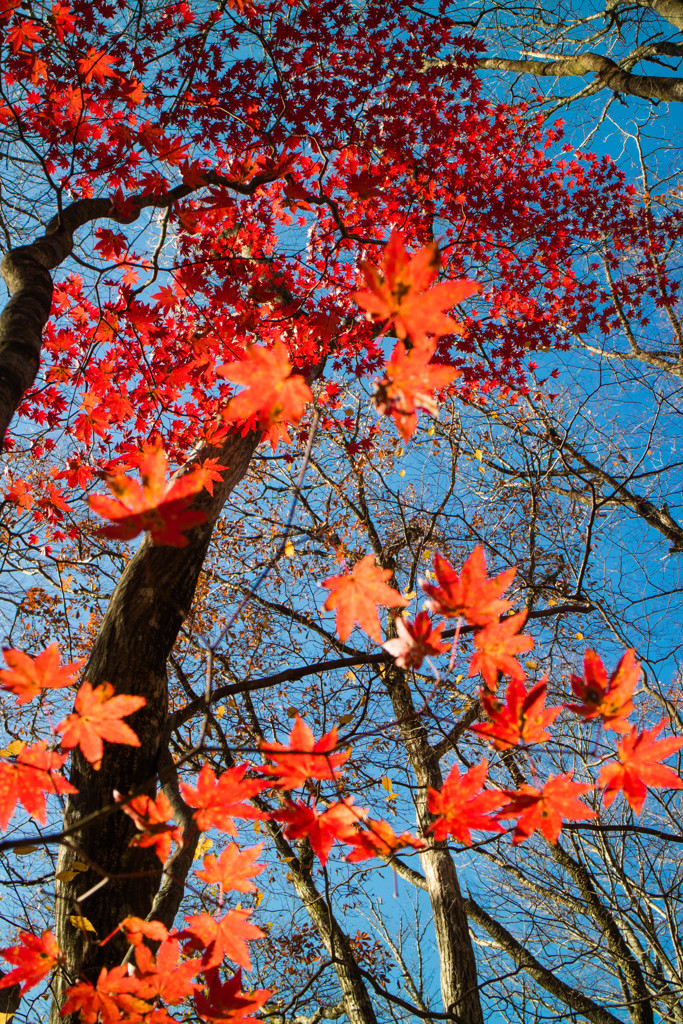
x=226 y=936
x=336 y=824
x=162 y=976
x=111 y=1000
x=151 y=817
x=136 y=930
x=28 y=779
x=226 y=1002
x=162 y=510
x=610 y=700
x=496 y=646
x=469 y=595
x=378 y=839
x=97 y=716
x=23 y=35
x=399 y=292
x=522 y=719
x=638 y=767
x=26 y=677
x=273 y=393
x=462 y=805
x=98 y=65
x=233 y=868
x=35 y=957
x=416 y=640
x=356 y=596
x=221 y=799
x=303 y=758
x=545 y=809
x=409 y=385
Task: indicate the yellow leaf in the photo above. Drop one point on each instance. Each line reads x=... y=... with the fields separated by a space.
x=578 y=636
x=78 y=865
x=531 y=664
x=387 y=783
x=203 y=845
x=479 y=455
x=15 y=747
x=258 y=897
x=65 y=876
x=83 y=923
x=23 y=851
x=220 y=711
x=430 y=431
x=290 y=550
x=402 y=472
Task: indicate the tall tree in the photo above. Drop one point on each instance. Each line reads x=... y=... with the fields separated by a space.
x=254 y=179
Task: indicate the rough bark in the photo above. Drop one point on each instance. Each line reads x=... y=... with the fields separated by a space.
x=140 y=626
x=459 y=986
x=355 y=996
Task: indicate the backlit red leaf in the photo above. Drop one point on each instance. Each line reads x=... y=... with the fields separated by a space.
x=638 y=768
x=226 y=936
x=97 y=716
x=521 y=720
x=27 y=677
x=610 y=700
x=303 y=758
x=469 y=595
x=35 y=957
x=221 y=799
x=409 y=384
x=463 y=805
x=545 y=809
x=416 y=640
x=497 y=644
x=356 y=595
x=401 y=292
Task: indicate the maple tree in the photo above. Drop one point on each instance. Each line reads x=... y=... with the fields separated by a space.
x=357 y=227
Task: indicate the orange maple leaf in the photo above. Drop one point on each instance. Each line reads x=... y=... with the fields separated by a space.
x=469 y=595
x=638 y=767
x=154 y=506
x=151 y=816
x=273 y=393
x=496 y=646
x=161 y=976
x=226 y=936
x=136 y=930
x=335 y=824
x=462 y=804
x=233 y=868
x=28 y=779
x=545 y=809
x=26 y=677
x=112 y=999
x=522 y=719
x=221 y=799
x=226 y=1002
x=398 y=292
x=409 y=384
x=303 y=758
x=378 y=839
x=610 y=700
x=415 y=641
x=97 y=716
x=98 y=65
x=356 y=596
x=35 y=957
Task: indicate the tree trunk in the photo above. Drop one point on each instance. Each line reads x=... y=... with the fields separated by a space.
x=140 y=626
